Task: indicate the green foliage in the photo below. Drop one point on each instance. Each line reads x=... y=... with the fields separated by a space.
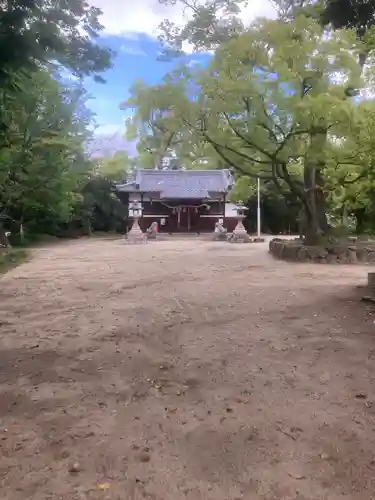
x=116 y=168
x=210 y=23
x=244 y=189
x=357 y=15
x=158 y=128
x=12 y=257
x=46 y=179
x=98 y=209
x=153 y=122
x=44 y=160
x=35 y=32
x=280 y=208
x=276 y=102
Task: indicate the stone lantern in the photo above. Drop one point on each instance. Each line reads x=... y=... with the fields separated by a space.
x=135 y=234
x=239 y=234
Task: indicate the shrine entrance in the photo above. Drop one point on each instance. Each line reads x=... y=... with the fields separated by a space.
x=183 y=220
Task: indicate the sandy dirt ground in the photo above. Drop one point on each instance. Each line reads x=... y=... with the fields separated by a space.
x=184 y=369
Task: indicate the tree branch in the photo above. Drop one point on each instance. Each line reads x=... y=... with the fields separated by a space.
x=345 y=182
x=217 y=148
x=228 y=148
x=246 y=140
x=271 y=156
x=282 y=132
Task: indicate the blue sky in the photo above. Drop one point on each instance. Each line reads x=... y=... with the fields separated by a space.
x=137 y=57
x=131 y=28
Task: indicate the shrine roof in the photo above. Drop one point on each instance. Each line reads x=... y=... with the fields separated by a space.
x=188 y=184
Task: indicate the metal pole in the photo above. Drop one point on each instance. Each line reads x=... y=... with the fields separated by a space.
x=258 y=209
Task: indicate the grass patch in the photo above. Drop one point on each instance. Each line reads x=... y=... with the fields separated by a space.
x=12 y=257
x=32 y=239
x=103 y=234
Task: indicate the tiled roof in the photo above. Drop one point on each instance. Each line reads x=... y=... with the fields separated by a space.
x=198 y=184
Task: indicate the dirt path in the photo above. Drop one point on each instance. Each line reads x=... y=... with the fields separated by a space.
x=184 y=369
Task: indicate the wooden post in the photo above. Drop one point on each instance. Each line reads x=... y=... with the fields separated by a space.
x=224 y=202
x=371 y=281
x=371 y=287
x=142 y=206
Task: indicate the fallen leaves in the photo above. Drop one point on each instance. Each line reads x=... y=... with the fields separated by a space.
x=144 y=457
x=361 y=395
x=296 y=476
x=286 y=433
x=75 y=468
x=103 y=486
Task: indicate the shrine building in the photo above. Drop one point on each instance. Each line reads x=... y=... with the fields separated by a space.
x=181 y=200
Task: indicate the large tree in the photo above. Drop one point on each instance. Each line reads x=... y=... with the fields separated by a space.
x=43 y=123
x=275 y=103
x=43 y=159
x=34 y=32
x=159 y=131
x=208 y=23
x=280 y=93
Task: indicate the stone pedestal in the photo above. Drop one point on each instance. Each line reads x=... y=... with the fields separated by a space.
x=239 y=234
x=135 y=234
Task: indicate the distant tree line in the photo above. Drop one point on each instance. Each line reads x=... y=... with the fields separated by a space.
x=48 y=183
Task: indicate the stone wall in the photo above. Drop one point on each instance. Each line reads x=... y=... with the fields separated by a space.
x=338 y=253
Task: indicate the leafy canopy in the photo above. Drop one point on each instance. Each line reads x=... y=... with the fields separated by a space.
x=39 y=166
x=38 y=31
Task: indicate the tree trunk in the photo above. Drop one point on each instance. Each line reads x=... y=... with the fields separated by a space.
x=345 y=216
x=88 y=228
x=360 y=216
x=301 y=223
x=316 y=226
x=22 y=232
x=315 y=203
x=3 y=237
x=311 y=232
x=320 y=200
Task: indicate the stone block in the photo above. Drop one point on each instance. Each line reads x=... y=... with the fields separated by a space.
x=290 y=251
x=361 y=254
x=302 y=254
x=337 y=250
x=272 y=243
x=352 y=256
x=334 y=253
x=278 y=248
x=332 y=259
x=316 y=253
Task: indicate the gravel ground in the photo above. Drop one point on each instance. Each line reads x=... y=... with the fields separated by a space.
x=184 y=369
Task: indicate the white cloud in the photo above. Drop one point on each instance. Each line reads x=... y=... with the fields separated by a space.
x=141 y=16
x=258 y=8
x=121 y=17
